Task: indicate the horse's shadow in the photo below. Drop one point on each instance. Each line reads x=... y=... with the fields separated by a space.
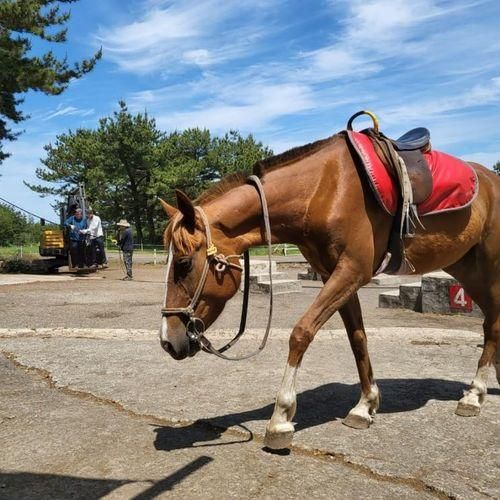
x=315 y=407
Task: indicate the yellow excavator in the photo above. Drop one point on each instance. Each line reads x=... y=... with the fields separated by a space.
x=54 y=243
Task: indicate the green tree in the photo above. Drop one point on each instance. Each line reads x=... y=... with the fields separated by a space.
x=496 y=167
x=128 y=145
x=21 y=23
x=128 y=162
x=13 y=226
x=182 y=158
x=233 y=153
x=191 y=160
x=114 y=162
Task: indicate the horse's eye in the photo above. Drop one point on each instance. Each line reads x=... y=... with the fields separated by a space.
x=183 y=265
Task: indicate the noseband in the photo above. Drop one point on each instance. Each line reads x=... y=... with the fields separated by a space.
x=195 y=327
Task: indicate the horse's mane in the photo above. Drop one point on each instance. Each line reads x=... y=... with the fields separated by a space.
x=292 y=155
x=260 y=168
x=223 y=186
x=181 y=238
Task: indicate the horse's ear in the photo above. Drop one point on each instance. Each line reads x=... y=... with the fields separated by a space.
x=169 y=209
x=186 y=207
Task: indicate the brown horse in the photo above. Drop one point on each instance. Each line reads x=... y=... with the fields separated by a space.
x=319 y=201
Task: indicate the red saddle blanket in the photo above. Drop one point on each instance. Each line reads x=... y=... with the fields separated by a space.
x=455 y=183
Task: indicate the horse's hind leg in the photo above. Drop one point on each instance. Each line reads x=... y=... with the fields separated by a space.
x=360 y=417
x=480 y=276
x=470 y=404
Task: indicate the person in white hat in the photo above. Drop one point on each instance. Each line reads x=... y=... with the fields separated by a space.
x=126 y=244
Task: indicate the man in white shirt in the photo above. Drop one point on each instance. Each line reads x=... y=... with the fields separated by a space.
x=97 y=253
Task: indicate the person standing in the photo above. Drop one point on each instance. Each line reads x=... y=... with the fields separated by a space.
x=126 y=244
x=97 y=252
x=77 y=225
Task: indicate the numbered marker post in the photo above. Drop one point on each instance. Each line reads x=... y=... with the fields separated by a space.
x=459 y=300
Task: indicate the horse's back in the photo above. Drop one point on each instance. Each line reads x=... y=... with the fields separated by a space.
x=489 y=193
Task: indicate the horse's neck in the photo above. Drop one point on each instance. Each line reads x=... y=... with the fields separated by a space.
x=238 y=213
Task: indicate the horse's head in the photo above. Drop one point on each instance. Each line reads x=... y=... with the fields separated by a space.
x=201 y=276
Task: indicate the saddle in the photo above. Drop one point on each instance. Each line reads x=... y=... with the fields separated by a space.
x=405 y=153
x=409 y=180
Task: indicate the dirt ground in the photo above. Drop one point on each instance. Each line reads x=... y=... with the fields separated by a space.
x=91 y=407
x=104 y=301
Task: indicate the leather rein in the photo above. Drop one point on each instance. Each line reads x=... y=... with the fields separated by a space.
x=195 y=327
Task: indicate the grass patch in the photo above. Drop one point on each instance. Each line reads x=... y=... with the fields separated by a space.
x=25 y=251
x=277 y=250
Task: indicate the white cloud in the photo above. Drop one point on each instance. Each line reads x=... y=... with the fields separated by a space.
x=484 y=158
x=381 y=21
x=372 y=32
x=414 y=63
x=67 y=111
x=200 y=57
x=335 y=62
x=479 y=95
x=183 y=33
x=253 y=107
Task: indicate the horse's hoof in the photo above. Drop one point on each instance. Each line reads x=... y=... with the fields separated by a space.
x=467 y=409
x=357 y=421
x=281 y=439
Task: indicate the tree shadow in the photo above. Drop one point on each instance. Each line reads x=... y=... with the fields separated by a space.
x=171 y=480
x=39 y=486
x=30 y=485
x=316 y=406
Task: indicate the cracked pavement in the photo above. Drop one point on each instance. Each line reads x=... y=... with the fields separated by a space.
x=94 y=412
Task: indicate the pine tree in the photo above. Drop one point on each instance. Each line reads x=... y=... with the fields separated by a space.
x=20 y=22
x=127 y=163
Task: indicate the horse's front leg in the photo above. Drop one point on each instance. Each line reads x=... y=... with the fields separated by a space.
x=360 y=417
x=344 y=281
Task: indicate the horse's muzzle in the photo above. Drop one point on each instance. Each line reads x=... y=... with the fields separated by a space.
x=182 y=350
x=178 y=344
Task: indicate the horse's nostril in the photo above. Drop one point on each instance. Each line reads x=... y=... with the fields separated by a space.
x=176 y=354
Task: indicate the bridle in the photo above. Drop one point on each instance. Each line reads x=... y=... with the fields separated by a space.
x=195 y=327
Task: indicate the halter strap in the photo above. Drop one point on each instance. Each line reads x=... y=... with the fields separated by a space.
x=196 y=324
x=212 y=255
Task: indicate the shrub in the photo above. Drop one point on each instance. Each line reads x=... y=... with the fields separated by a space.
x=16 y=265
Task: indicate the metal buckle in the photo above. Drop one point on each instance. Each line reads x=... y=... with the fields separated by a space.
x=192 y=330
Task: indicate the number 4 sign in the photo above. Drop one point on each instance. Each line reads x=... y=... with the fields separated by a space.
x=459 y=300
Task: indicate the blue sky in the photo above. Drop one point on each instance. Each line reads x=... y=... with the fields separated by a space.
x=289 y=72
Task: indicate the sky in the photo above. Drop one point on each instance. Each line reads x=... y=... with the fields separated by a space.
x=287 y=71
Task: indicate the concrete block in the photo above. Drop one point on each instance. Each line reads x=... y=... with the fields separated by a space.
x=280 y=286
x=389 y=300
x=261 y=266
x=436 y=296
x=309 y=275
x=410 y=296
x=255 y=279
x=391 y=280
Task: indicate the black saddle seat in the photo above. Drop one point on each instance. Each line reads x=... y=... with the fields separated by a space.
x=417 y=138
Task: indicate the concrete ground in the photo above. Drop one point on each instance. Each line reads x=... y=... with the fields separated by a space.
x=91 y=407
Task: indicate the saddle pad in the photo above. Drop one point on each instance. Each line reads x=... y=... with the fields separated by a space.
x=455 y=183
